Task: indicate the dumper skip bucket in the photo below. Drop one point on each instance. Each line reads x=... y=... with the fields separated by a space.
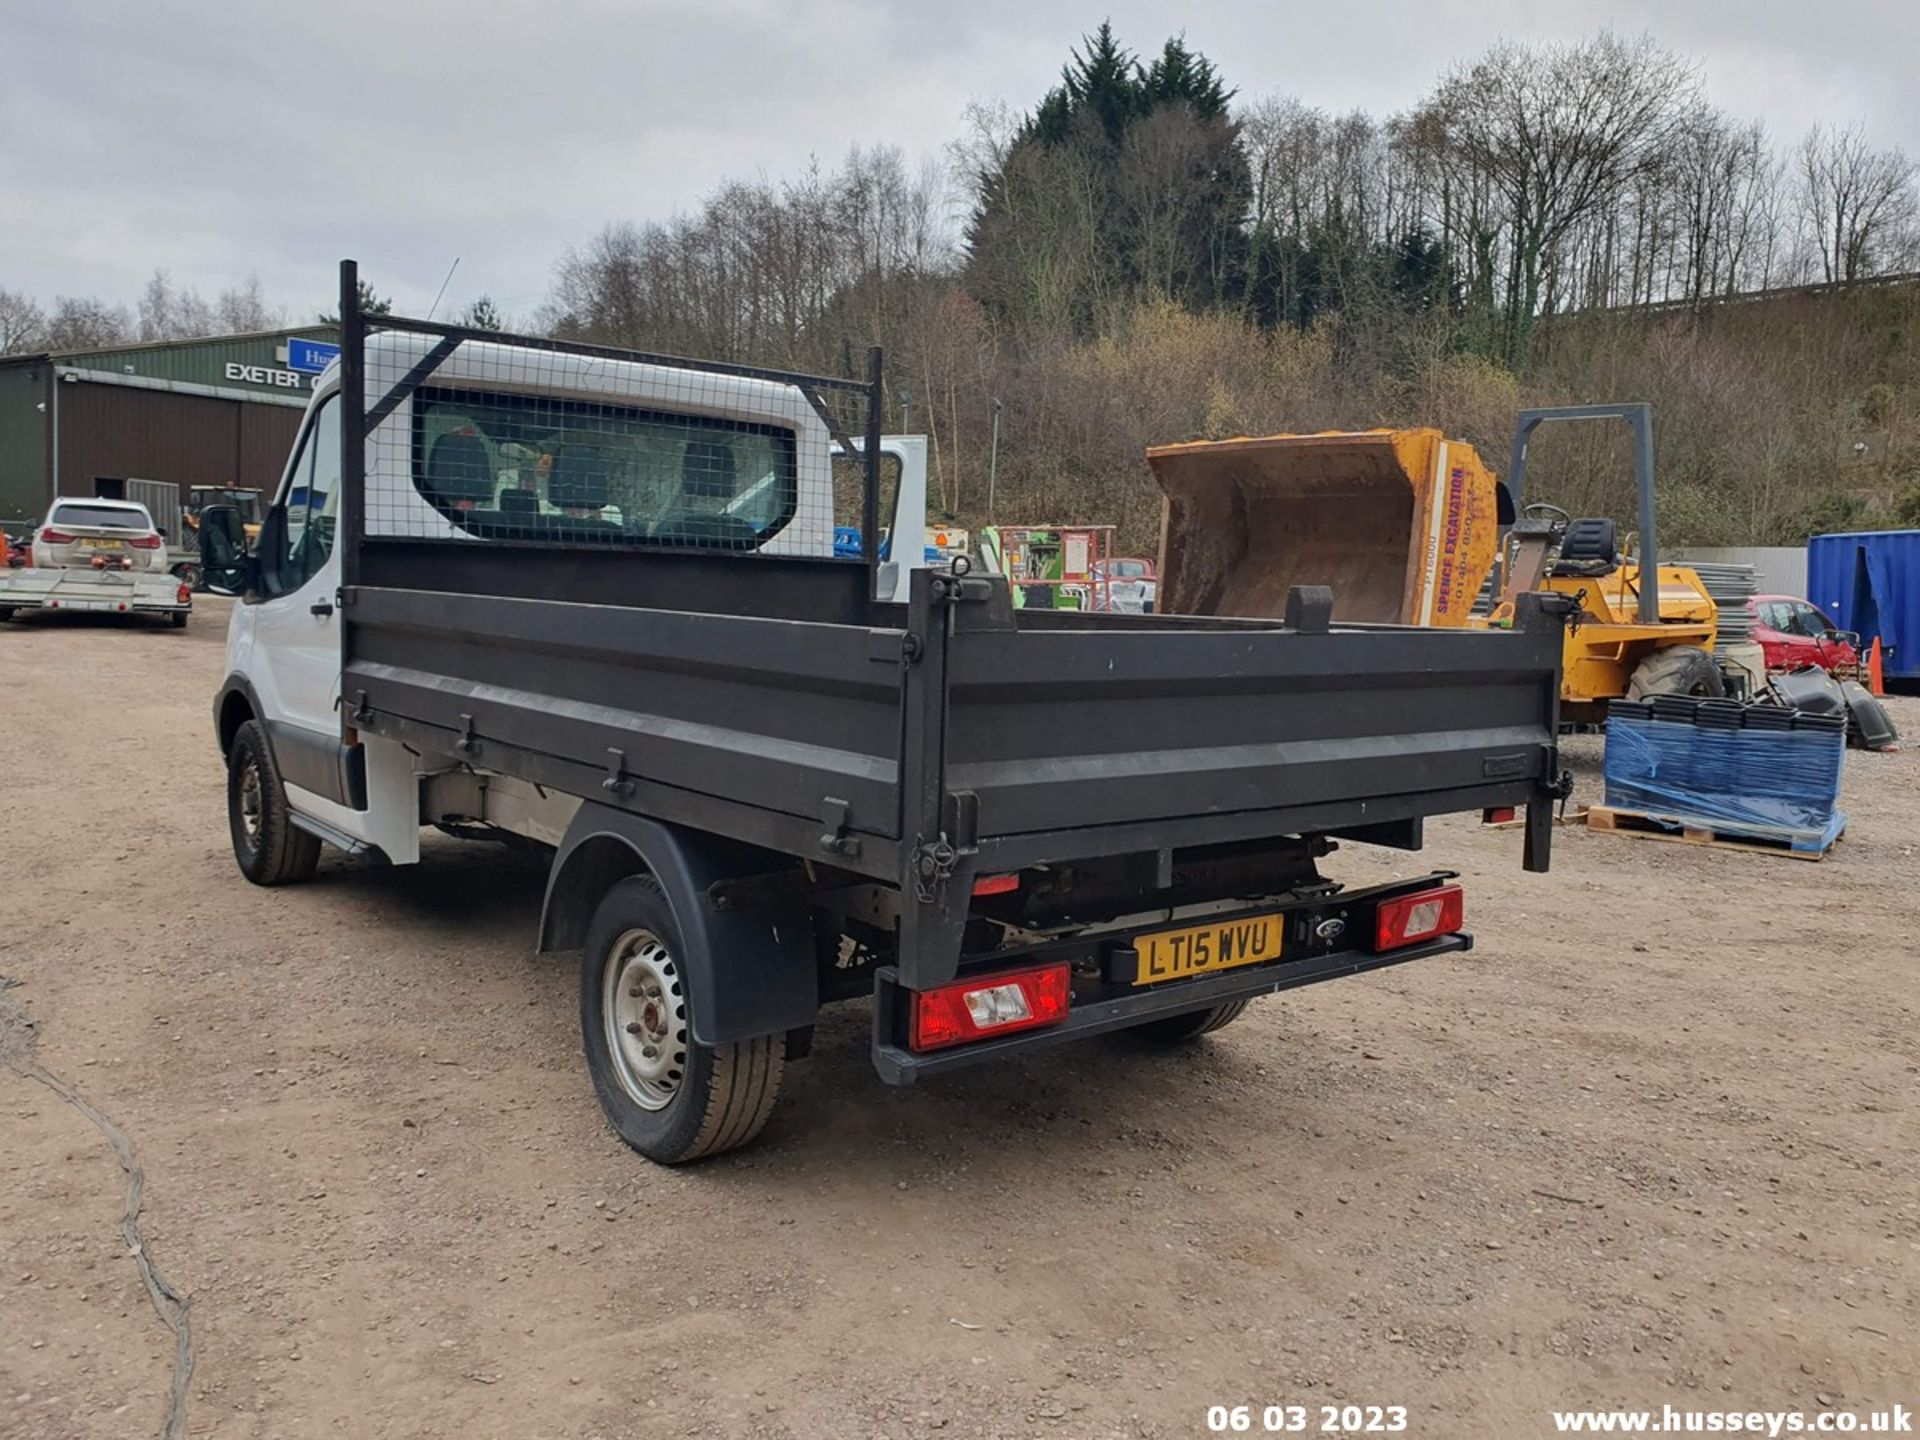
x=1402 y=524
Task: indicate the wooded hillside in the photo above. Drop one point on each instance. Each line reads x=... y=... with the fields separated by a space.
x=1145 y=256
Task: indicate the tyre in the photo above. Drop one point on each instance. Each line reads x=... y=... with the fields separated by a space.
x=665 y=1094
x=6 y=613
x=267 y=846
x=188 y=572
x=179 y=619
x=1177 y=1029
x=1677 y=670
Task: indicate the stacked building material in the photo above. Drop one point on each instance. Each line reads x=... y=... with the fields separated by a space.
x=1755 y=770
x=1731 y=586
x=1742 y=662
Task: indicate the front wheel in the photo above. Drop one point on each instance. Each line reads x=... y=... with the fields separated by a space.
x=665 y=1094
x=1677 y=670
x=269 y=848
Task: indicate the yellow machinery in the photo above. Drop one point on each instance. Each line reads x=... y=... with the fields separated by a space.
x=1405 y=527
x=1402 y=524
x=247 y=502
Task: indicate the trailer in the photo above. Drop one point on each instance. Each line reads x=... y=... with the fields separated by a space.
x=85 y=590
x=591 y=599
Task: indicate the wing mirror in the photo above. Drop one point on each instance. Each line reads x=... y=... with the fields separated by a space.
x=225 y=565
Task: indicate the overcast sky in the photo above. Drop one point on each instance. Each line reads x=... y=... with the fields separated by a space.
x=219 y=139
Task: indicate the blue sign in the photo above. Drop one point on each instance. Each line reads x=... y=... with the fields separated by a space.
x=310 y=356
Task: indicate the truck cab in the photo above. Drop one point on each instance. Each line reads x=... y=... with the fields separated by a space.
x=746 y=471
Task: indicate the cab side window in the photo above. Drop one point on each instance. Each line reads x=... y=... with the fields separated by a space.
x=312 y=499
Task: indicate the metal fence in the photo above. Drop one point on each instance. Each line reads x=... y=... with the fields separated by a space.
x=1777 y=569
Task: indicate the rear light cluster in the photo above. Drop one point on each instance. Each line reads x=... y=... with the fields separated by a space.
x=184 y=595
x=144 y=542
x=51 y=536
x=989 y=1005
x=1420 y=916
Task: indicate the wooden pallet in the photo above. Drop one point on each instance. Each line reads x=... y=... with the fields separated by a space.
x=1575 y=816
x=1614 y=821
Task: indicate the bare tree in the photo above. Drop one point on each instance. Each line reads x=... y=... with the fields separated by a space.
x=243 y=308
x=167 y=313
x=156 y=308
x=22 y=324
x=1559 y=131
x=192 y=317
x=1162 y=160
x=1858 y=204
x=86 y=324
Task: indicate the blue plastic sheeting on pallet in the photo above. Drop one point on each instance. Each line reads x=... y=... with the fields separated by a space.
x=1775 y=782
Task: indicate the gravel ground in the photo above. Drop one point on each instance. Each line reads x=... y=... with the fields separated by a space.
x=1654 y=1140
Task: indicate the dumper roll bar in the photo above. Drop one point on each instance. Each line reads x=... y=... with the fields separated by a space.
x=1639 y=415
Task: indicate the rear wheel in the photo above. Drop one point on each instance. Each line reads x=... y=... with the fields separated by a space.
x=665 y=1094
x=6 y=613
x=267 y=846
x=1677 y=670
x=179 y=619
x=1176 y=1029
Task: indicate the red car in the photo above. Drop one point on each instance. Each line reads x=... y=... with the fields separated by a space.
x=1794 y=633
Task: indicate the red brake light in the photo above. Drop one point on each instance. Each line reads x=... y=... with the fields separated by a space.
x=1497 y=815
x=989 y=1005
x=184 y=595
x=144 y=542
x=996 y=884
x=51 y=536
x=1420 y=916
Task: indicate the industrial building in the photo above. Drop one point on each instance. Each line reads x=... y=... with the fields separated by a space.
x=152 y=422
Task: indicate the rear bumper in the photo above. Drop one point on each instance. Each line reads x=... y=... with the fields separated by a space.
x=119 y=593
x=95 y=605
x=898 y=1065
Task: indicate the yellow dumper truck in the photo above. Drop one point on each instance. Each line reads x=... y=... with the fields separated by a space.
x=1405 y=526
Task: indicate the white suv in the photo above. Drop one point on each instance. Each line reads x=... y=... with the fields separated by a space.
x=118 y=533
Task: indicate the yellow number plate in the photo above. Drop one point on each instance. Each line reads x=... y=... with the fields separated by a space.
x=96 y=542
x=1176 y=954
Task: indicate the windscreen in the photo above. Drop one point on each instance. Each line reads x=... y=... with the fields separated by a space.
x=539 y=467
x=101 y=517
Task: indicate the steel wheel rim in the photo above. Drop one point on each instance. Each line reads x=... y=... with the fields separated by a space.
x=250 y=804
x=644 y=1008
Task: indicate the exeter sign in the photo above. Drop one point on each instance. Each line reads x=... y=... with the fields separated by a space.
x=301 y=363
x=267 y=375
